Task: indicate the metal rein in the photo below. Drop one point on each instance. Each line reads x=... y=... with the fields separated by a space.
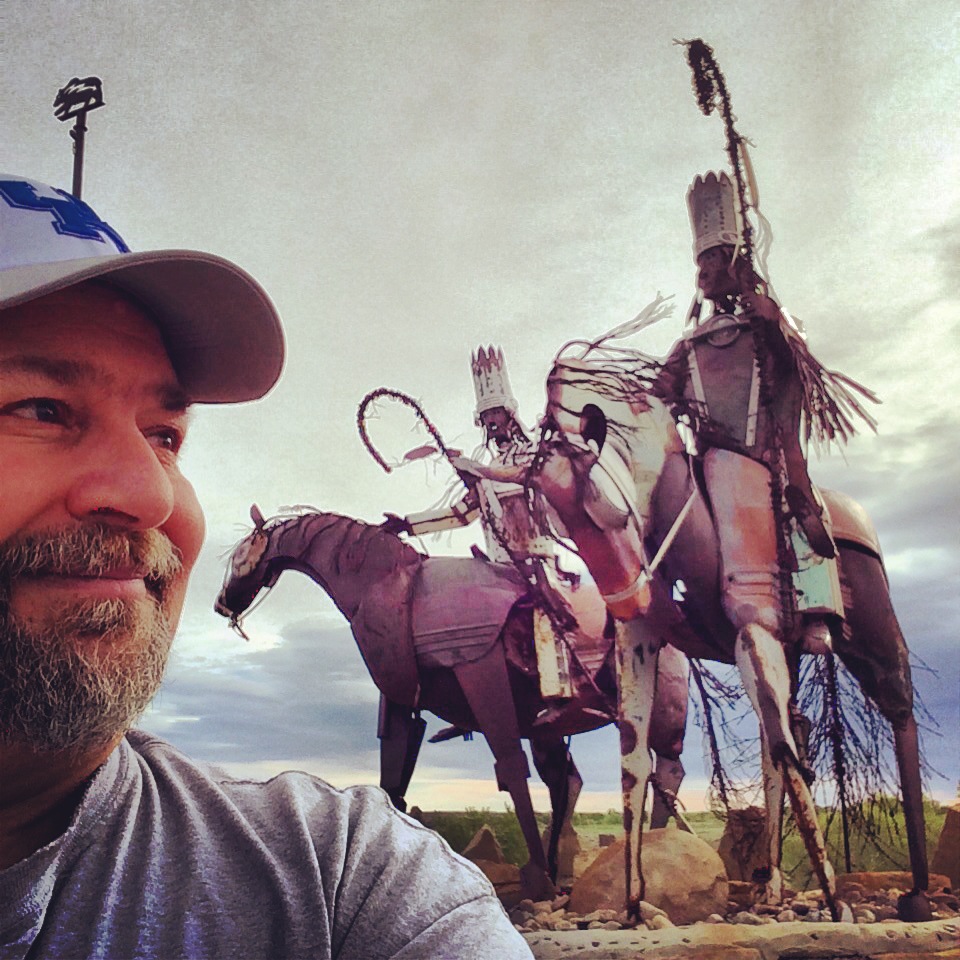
x=236 y=619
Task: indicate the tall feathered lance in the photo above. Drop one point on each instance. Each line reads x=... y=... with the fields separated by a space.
x=710 y=89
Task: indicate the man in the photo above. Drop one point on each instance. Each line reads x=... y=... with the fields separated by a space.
x=512 y=535
x=112 y=843
x=742 y=379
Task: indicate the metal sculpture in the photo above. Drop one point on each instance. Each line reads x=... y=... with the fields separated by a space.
x=512 y=534
x=453 y=636
x=614 y=467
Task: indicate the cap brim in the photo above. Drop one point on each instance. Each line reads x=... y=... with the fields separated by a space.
x=221 y=330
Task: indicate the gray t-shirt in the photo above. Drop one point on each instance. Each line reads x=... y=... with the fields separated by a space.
x=167 y=858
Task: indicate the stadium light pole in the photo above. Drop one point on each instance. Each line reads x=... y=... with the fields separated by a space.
x=74 y=102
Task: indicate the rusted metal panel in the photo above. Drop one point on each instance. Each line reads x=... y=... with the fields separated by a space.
x=850 y=521
x=459 y=608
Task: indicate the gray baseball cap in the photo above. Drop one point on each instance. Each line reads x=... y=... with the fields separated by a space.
x=220 y=329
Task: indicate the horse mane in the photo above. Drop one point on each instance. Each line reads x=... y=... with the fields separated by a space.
x=615 y=373
x=360 y=543
x=655 y=311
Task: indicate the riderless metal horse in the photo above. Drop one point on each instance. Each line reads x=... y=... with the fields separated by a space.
x=453 y=636
x=613 y=466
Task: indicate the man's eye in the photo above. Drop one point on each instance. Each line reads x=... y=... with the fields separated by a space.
x=41 y=409
x=167 y=438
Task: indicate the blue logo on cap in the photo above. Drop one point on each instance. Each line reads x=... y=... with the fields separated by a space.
x=71 y=217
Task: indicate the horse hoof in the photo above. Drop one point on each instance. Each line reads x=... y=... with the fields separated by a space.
x=914 y=907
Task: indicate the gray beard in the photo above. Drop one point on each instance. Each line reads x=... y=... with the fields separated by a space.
x=83 y=677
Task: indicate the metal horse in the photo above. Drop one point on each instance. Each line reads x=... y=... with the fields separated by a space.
x=614 y=468
x=453 y=636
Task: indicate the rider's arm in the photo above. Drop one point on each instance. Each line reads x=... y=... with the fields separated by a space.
x=462 y=513
x=513 y=472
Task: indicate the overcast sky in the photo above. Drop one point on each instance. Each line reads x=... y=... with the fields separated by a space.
x=410 y=179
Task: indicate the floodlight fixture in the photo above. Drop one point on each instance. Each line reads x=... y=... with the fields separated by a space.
x=73 y=102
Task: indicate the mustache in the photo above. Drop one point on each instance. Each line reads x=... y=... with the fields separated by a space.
x=91 y=551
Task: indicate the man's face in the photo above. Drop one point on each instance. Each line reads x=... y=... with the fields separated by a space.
x=716 y=275
x=98 y=528
x=497 y=424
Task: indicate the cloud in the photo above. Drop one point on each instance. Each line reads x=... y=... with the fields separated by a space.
x=944 y=243
x=307 y=693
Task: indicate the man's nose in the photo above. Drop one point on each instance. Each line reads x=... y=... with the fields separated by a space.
x=122 y=482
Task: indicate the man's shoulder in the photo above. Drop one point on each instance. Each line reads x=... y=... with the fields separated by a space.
x=291 y=810
x=166 y=764
x=348 y=850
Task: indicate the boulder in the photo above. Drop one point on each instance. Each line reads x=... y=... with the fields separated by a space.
x=874 y=881
x=484 y=846
x=743 y=846
x=946 y=858
x=684 y=877
x=505 y=878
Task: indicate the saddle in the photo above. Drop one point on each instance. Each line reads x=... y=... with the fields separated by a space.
x=459 y=608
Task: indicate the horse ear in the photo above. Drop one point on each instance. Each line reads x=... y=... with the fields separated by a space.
x=257 y=517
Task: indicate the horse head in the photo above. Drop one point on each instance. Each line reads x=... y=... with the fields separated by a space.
x=249 y=571
x=605 y=440
x=346 y=557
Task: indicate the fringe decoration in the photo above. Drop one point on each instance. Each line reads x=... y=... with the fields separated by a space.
x=831 y=400
x=658 y=309
x=846 y=723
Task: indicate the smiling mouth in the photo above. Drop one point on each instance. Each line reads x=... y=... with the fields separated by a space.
x=125 y=583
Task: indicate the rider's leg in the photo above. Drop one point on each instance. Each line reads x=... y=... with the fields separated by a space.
x=740 y=499
x=739 y=491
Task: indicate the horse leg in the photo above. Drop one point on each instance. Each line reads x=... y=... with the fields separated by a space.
x=913 y=906
x=557 y=770
x=637 y=653
x=763 y=667
x=875 y=652
x=668 y=726
x=486 y=686
x=400 y=730
x=669 y=775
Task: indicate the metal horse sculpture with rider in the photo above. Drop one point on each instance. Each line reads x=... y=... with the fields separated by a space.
x=614 y=467
x=739 y=523
x=454 y=636
x=512 y=534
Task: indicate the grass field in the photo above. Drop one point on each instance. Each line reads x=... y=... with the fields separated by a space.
x=887 y=851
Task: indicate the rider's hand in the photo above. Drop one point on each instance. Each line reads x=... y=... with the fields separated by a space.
x=464 y=465
x=395 y=525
